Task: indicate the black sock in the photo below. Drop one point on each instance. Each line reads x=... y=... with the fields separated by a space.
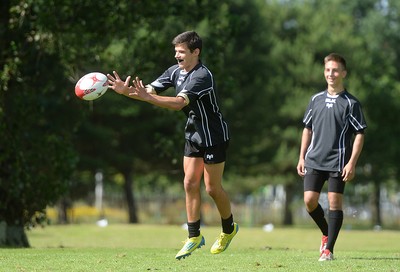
x=194 y=228
x=335 y=223
x=227 y=225
x=319 y=217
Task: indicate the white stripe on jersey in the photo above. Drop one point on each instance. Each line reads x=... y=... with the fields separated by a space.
x=342 y=146
x=357 y=125
x=204 y=123
x=308 y=117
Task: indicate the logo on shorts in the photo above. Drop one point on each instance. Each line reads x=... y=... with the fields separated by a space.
x=209 y=156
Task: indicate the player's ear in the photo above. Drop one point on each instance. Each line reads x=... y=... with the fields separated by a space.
x=196 y=52
x=344 y=73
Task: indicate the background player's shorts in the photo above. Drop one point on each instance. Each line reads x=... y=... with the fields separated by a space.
x=210 y=155
x=314 y=180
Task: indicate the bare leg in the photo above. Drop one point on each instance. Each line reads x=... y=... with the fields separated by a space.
x=335 y=201
x=316 y=212
x=193 y=168
x=311 y=200
x=213 y=182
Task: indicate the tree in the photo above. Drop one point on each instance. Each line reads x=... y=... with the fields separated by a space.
x=37 y=155
x=152 y=136
x=360 y=30
x=377 y=73
x=266 y=57
x=38 y=112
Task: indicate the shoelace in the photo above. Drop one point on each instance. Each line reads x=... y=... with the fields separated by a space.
x=221 y=239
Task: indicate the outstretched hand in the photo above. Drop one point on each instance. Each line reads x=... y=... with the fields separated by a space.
x=140 y=91
x=119 y=86
x=137 y=90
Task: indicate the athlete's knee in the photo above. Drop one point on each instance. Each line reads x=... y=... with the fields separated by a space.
x=311 y=205
x=211 y=191
x=311 y=202
x=335 y=201
x=191 y=185
x=335 y=204
x=214 y=191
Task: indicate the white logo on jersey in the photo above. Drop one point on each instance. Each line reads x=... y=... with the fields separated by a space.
x=182 y=76
x=210 y=156
x=330 y=102
x=180 y=80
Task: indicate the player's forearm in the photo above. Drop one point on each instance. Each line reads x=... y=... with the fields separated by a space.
x=172 y=103
x=305 y=142
x=357 y=148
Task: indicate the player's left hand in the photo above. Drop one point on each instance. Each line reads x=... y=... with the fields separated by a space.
x=348 y=173
x=140 y=92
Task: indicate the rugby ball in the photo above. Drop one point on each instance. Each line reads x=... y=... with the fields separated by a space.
x=91 y=86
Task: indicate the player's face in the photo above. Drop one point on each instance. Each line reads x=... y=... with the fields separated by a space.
x=186 y=60
x=334 y=74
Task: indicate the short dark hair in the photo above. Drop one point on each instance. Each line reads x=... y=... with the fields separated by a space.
x=336 y=57
x=191 y=38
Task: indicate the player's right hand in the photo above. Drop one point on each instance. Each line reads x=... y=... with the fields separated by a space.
x=119 y=86
x=300 y=168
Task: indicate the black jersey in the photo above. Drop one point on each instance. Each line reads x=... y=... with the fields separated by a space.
x=205 y=124
x=333 y=121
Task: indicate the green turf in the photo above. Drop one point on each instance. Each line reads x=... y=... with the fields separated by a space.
x=153 y=248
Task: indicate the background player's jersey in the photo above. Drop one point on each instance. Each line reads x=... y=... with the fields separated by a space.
x=205 y=124
x=333 y=121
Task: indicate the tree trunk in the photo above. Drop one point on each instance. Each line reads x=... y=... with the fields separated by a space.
x=63 y=207
x=130 y=199
x=12 y=236
x=287 y=214
x=4 y=29
x=376 y=209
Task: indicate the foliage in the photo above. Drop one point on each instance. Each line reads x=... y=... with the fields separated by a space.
x=37 y=154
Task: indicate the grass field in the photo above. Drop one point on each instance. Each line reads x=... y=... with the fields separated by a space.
x=153 y=248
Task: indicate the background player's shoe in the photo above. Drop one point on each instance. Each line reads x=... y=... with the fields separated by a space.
x=191 y=244
x=224 y=240
x=324 y=241
x=327 y=255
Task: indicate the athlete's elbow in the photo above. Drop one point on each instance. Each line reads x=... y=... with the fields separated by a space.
x=179 y=105
x=176 y=107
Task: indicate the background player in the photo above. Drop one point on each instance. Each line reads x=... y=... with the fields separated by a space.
x=331 y=120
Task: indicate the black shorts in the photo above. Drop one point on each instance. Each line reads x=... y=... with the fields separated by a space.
x=314 y=180
x=210 y=155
